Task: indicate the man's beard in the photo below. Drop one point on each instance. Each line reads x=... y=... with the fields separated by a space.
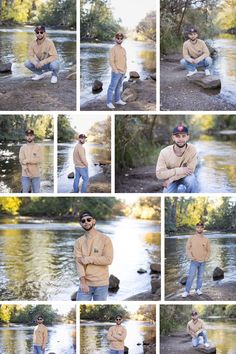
x=181 y=146
x=88 y=228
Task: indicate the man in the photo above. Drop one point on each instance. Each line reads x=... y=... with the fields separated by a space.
x=93 y=253
x=117 y=60
x=195 y=54
x=176 y=163
x=198 y=250
x=42 y=56
x=81 y=165
x=116 y=336
x=30 y=157
x=40 y=336
x=196 y=329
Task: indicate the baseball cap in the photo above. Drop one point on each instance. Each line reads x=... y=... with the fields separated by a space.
x=180 y=128
x=85 y=213
x=82 y=136
x=29 y=132
x=192 y=30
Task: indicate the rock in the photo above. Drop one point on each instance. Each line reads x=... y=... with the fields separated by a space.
x=141 y=271
x=5 y=68
x=153 y=76
x=202 y=349
x=97 y=86
x=155 y=267
x=71 y=76
x=126 y=350
x=207 y=82
x=113 y=283
x=218 y=274
x=73 y=296
x=183 y=280
x=134 y=75
x=155 y=284
x=71 y=175
x=129 y=95
x=139 y=344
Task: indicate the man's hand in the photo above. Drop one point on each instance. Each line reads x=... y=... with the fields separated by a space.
x=84 y=288
x=38 y=65
x=192 y=61
x=187 y=171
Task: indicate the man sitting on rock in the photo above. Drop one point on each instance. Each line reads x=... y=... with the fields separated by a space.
x=42 y=56
x=196 y=329
x=196 y=54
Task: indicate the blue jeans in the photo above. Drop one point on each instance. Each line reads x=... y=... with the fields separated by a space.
x=113 y=351
x=196 y=341
x=28 y=182
x=205 y=63
x=53 y=66
x=81 y=172
x=115 y=85
x=38 y=349
x=96 y=293
x=186 y=184
x=198 y=267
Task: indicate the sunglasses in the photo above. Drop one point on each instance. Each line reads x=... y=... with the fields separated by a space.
x=118 y=319
x=40 y=319
x=37 y=32
x=87 y=219
x=119 y=37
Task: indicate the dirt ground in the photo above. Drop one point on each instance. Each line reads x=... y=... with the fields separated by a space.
x=178 y=94
x=100 y=183
x=23 y=94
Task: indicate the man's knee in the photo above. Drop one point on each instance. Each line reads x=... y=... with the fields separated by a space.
x=190 y=180
x=54 y=65
x=28 y=64
x=183 y=62
x=208 y=60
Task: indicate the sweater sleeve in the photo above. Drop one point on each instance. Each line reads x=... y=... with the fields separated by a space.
x=78 y=254
x=109 y=335
x=112 y=60
x=22 y=157
x=52 y=54
x=31 y=54
x=45 y=337
x=205 y=53
x=162 y=172
x=189 y=249
x=105 y=259
x=185 y=52
x=208 y=247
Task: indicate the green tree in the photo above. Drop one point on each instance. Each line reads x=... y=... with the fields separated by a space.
x=147 y=27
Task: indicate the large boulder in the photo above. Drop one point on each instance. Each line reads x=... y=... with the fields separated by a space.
x=183 y=280
x=155 y=284
x=129 y=95
x=113 y=283
x=207 y=82
x=153 y=76
x=218 y=274
x=155 y=267
x=71 y=175
x=126 y=350
x=5 y=68
x=141 y=271
x=97 y=86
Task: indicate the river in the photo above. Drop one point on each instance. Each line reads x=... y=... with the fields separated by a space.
x=14 y=44
x=217 y=165
x=37 y=260
x=18 y=339
x=94 y=64
x=222 y=334
x=94 y=153
x=93 y=336
x=10 y=181
x=177 y=264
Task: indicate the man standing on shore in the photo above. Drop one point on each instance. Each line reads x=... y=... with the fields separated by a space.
x=30 y=157
x=199 y=251
x=81 y=165
x=195 y=54
x=117 y=60
x=196 y=329
x=42 y=56
x=116 y=336
x=176 y=163
x=40 y=337
x=93 y=254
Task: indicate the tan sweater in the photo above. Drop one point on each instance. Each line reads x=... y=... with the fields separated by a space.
x=194 y=328
x=117 y=59
x=97 y=251
x=79 y=156
x=170 y=167
x=198 y=248
x=45 y=52
x=40 y=336
x=30 y=157
x=116 y=336
x=197 y=51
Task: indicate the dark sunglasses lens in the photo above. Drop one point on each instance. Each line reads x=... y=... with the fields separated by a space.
x=118 y=319
x=84 y=220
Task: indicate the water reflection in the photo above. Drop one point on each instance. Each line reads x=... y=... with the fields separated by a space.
x=93 y=337
x=177 y=264
x=94 y=153
x=37 y=260
x=19 y=339
x=10 y=179
x=223 y=334
x=94 y=64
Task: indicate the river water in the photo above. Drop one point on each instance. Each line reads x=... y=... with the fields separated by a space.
x=18 y=339
x=223 y=335
x=14 y=44
x=94 y=153
x=93 y=336
x=37 y=260
x=94 y=64
x=177 y=264
x=217 y=165
x=10 y=179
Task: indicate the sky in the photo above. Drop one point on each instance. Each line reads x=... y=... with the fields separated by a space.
x=131 y=11
x=62 y=308
x=82 y=123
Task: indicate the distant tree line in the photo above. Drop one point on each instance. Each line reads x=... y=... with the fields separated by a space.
x=102 y=312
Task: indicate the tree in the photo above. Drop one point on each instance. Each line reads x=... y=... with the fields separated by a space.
x=147 y=27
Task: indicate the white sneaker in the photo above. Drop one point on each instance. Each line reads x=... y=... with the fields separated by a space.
x=207 y=345
x=37 y=77
x=120 y=102
x=191 y=73
x=207 y=72
x=185 y=294
x=198 y=292
x=111 y=106
x=53 y=79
